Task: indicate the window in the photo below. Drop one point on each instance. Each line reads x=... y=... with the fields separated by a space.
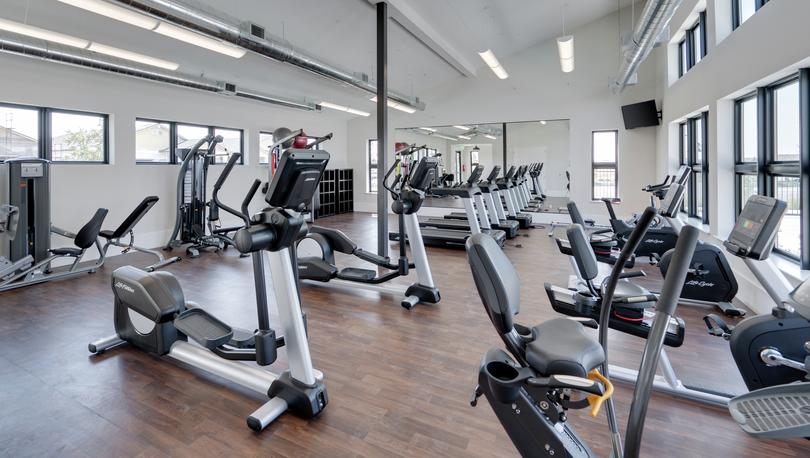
x=153 y=142
x=769 y=126
x=692 y=49
x=741 y=10
x=694 y=139
x=265 y=143
x=458 y=167
x=231 y=144
x=474 y=157
x=58 y=135
x=19 y=132
x=371 y=179
x=605 y=159
x=77 y=137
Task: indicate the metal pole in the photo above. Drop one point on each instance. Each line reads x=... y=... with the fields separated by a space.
x=382 y=127
x=504 y=148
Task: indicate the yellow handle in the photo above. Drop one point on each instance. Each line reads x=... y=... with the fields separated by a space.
x=594 y=400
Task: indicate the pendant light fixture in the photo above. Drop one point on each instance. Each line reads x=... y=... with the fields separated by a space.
x=565 y=47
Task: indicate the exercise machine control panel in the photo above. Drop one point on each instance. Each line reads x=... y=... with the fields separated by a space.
x=754 y=233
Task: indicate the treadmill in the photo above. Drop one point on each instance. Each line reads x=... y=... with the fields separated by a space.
x=455 y=238
x=493 y=207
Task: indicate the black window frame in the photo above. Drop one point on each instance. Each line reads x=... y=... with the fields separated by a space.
x=45 y=133
x=172 y=136
x=688 y=42
x=370 y=166
x=605 y=165
x=767 y=169
x=736 y=20
x=173 y=160
x=699 y=169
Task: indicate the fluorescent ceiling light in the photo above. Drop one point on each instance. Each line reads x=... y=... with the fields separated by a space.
x=67 y=40
x=565 y=46
x=337 y=107
x=429 y=129
x=164 y=28
x=196 y=39
x=396 y=105
x=133 y=56
x=42 y=34
x=492 y=62
x=462 y=127
x=446 y=137
x=543 y=122
x=491 y=137
x=465 y=137
x=115 y=12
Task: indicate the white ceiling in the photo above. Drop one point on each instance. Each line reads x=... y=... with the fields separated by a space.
x=341 y=32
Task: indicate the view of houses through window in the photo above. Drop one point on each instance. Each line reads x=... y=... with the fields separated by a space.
x=154 y=142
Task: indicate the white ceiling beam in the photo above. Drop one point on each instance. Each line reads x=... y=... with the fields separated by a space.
x=416 y=25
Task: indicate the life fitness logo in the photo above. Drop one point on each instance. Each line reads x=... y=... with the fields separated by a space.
x=654 y=241
x=121 y=285
x=700 y=283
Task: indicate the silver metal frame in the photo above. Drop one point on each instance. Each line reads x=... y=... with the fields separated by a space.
x=130 y=246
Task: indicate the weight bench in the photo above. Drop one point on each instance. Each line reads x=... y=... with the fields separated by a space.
x=127 y=227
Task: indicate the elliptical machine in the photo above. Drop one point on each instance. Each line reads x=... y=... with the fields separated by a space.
x=151 y=314
x=531 y=387
x=408 y=194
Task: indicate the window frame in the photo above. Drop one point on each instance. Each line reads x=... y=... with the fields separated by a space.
x=698 y=169
x=172 y=136
x=370 y=166
x=767 y=169
x=173 y=140
x=45 y=133
x=686 y=47
x=736 y=11
x=605 y=165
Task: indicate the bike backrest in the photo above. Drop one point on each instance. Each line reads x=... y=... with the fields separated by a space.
x=496 y=280
x=88 y=234
x=582 y=251
x=573 y=212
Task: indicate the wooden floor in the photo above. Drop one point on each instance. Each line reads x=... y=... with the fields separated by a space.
x=399 y=381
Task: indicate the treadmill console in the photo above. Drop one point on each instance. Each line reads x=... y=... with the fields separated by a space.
x=475 y=176
x=754 y=233
x=493 y=175
x=671 y=204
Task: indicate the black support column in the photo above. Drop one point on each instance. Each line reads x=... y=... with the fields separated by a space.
x=504 y=147
x=382 y=128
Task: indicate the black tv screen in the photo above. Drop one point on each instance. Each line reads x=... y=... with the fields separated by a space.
x=642 y=114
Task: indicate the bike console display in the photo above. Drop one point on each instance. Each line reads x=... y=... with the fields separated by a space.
x=424 y=173
x=671 y=204
x=756 y=228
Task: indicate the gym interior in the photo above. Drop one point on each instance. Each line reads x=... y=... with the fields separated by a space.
x=404 y=228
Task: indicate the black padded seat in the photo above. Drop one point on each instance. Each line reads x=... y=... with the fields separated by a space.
x=67 y=251
x=561 y=346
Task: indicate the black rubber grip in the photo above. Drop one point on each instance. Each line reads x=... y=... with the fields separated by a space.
x=227 y=170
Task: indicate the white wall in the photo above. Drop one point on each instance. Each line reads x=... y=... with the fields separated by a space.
x=773 y=43
x=77 y=190
x=537 y=89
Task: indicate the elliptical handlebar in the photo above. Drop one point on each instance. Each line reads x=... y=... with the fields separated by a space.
x=248 y=198
x=319 y=140
x=221 y=180
x=391 y=169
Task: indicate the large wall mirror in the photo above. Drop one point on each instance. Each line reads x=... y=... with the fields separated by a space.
x=461 y=147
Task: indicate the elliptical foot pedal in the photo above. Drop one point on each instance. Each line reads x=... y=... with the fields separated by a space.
x=730 y=310
x=355 y=274
x=203 y=328
x=780 y=411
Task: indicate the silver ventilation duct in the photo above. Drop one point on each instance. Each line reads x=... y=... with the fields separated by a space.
x=217 y=24
x=87 y=59
x=654 y=19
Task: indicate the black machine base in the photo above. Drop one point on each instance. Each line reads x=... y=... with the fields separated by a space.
x=426 y=294
x=305 y=401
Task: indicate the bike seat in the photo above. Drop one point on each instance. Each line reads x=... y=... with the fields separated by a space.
x=561 y=346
